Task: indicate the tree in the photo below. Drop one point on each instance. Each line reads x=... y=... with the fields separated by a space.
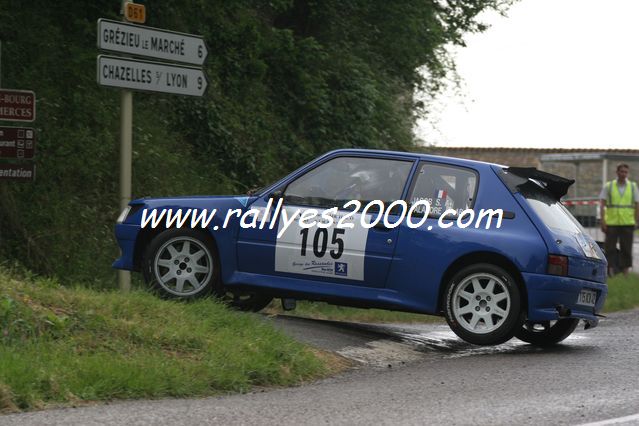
x=289 y=79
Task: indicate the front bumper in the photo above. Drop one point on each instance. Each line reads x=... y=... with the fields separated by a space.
x=126 y=236
x=546 y=293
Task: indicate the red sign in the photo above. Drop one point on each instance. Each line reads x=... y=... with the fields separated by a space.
x=20 y=172
x=17 y=142
x=17 y=105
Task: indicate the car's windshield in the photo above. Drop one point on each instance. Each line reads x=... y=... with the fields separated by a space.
x=350 y=178
x=548 y=208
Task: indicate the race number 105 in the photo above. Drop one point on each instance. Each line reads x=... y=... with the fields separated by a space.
x=320 y=242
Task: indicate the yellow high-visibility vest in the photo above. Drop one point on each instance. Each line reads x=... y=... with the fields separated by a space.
x=620 y=211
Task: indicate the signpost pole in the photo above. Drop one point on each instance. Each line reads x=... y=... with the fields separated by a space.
x=126 y=148
x=130 y=74
x=126 y=143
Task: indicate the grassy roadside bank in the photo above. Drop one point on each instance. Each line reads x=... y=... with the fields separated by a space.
x=623 y=293
x=62 y=345
x=69 y=346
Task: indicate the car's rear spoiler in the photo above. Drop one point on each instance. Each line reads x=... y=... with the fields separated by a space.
x=513 y=177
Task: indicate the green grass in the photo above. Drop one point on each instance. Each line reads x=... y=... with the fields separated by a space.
x=623 y=293
x=65 y=346
x=61 y=345
x=319 y=310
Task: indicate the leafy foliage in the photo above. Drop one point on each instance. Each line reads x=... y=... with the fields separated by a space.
x=288 y=80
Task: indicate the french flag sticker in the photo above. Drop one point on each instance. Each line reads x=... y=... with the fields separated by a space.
x=440 y=194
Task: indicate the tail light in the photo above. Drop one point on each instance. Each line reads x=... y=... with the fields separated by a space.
x=557 y=265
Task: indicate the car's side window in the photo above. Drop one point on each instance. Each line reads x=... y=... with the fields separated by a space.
x=350 y=178
x=444 y=187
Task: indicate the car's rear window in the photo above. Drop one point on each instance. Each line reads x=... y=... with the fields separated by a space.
x=548 y=208
x=444 y=187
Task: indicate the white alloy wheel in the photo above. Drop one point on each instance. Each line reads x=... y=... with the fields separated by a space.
x=183 y=266
x=481 y=303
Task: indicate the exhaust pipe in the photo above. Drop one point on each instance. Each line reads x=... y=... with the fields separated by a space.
x=563 y=311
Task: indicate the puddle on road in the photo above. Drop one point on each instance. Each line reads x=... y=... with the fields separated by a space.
x=393 y=345
x=405 y=346
x=451 y=346
x=382 y=353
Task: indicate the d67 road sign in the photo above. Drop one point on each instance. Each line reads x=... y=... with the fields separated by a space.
x=134 y=12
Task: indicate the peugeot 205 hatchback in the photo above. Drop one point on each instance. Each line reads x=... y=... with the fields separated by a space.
x=489 y=247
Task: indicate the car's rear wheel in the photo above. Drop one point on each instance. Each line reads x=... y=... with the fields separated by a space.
x=547 y=333
x=483 y=304
x=184 y=264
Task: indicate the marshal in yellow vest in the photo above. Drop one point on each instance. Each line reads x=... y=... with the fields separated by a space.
x=620 y=211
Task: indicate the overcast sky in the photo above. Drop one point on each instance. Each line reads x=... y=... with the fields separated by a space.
x=553 y=73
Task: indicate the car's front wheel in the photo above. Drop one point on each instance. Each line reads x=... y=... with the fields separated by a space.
x=483 y=304
x=184 y=264
x=181 y=264
x=547 y=333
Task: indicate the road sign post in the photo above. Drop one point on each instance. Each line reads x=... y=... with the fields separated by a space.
x=142 y=75
x=126 y=157
x=126 y=167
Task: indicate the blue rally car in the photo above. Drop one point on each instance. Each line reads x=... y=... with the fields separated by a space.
x=489 y=247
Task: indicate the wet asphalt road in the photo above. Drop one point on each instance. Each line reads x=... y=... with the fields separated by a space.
x=417 y=374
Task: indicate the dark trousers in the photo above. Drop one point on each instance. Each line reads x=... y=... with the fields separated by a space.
x=624 y=235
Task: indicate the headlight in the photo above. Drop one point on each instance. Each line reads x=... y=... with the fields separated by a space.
x=124 y=214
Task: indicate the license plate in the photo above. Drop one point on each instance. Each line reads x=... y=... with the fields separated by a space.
x=587 y=298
